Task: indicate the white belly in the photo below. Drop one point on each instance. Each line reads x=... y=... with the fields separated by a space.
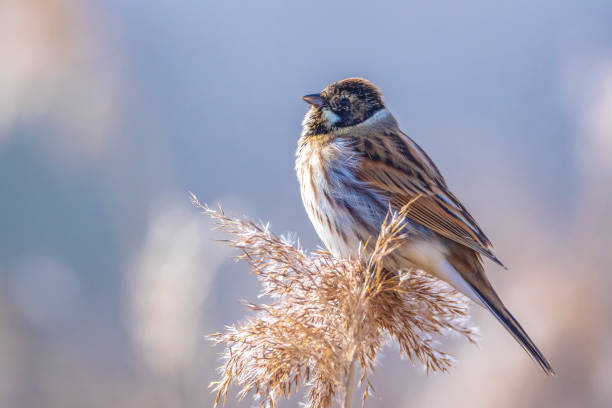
x=334 y=224
x=342 y=215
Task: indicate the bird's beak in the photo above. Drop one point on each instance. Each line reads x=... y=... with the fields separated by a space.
x=313 y=99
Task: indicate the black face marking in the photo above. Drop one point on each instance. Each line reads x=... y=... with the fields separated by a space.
x=353 y=100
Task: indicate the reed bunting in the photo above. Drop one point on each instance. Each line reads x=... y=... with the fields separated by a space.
x=354 y=163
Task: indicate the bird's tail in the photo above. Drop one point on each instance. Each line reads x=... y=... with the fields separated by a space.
x=469 y=266
x=495 y=306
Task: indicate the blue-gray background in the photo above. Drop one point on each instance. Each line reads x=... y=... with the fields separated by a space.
x=111 y=111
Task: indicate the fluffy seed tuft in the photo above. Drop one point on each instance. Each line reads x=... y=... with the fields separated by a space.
x=328 y=315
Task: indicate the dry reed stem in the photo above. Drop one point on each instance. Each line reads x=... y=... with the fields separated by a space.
x=326 y=313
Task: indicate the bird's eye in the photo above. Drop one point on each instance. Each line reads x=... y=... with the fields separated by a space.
x=340 y=104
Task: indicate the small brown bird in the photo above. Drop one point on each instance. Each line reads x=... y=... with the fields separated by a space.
x=354 y=163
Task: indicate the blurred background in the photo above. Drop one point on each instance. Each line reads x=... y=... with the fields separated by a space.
x=110 y=112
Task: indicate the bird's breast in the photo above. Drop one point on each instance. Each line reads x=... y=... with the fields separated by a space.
x=343 y=210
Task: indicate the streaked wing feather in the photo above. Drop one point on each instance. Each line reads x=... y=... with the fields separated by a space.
x=400 y=170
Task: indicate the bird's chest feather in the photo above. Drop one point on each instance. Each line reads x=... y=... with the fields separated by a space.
x=344 y=211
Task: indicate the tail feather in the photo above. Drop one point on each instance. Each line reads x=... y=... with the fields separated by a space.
x=515 y=329
x=468 y=265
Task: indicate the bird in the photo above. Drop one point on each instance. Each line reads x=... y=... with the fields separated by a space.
x=354 y=164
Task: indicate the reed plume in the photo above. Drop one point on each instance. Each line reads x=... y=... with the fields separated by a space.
x=327 y=315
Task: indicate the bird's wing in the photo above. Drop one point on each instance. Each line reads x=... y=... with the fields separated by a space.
x=399 y=169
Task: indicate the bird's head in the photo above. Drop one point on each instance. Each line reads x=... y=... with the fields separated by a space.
x=341 y=104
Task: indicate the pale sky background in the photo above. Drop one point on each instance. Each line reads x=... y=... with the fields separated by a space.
x=111 y=111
